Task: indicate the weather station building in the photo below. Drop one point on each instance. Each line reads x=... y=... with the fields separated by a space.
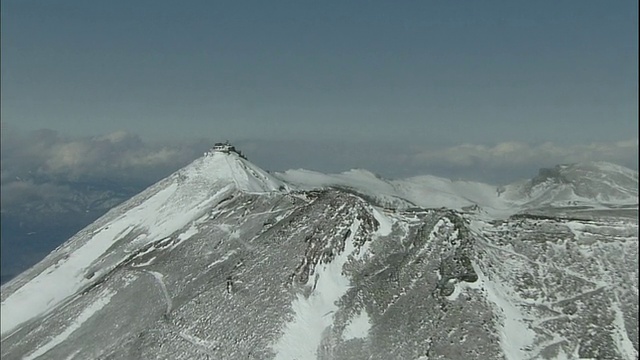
x=225 y=148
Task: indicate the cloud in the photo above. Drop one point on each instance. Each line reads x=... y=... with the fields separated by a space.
x=512 y=157
x=20 y=193
x=118 y=156
x=497 y=163
x=43 y=165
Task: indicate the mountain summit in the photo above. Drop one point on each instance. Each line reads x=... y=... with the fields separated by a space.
x=155 y=213
x=589 y=183
x=224 y=260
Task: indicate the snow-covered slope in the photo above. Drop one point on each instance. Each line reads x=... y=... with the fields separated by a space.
x=222 y=260
x=595 y=185
x=150 y=216
x=422 y=191
x=590 y=184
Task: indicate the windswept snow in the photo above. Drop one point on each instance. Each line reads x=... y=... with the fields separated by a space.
x=61 y=280
x=168 y=207
x=424 y=191
x=385 y=223
x=621 y=337
x=314 y=314
x=247 y=177
x=589 y=184
x=515 y=334
x=146 y=263
x=85 y=315
x=163 y=287
x=596 y=184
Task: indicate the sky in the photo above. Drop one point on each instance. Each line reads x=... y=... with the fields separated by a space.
x=486 y=90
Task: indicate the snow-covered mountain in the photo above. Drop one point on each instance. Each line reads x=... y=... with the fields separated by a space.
x=420 y=191
x=594 y=185
x=224 y=260
x=587 y=184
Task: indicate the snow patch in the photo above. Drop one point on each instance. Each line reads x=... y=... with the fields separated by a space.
x=576 y=228
x=314 y=314
x=222 y=259
x=160 y=280
x=146 y=263
x=621 y=336
x=515 y=334
x=168 y=210
x=424 y=191
x=358 y=327
x=85 y=315
x=385 y=223
x=457 y=290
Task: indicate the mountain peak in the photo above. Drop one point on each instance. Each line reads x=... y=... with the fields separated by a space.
x=594 y=166
x=216 y=261
x=570 y=173
x=594 y=181
x=224 y=163
x=154 y=214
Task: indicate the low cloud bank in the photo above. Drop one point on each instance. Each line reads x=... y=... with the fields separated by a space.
x=41 y=164
x=119 y=156
x=518 y=153
x=497 y=163
x=504 y=161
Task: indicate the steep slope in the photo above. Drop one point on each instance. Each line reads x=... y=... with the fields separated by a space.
x=154 y=214
x=221 y=260
x=33 y=227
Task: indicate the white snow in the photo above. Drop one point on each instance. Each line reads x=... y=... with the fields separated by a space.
x=146 y=263
x=515 y=334
x=222 y=259
x=160 y=281
x=360 y=179
x=435 y=192
x=385 y=223
x=65 y=278
x=424 y=191
x=314 y=314
x=457 y=290
x=169 y=206
x=599 y=175
x=621 y=336
x=72 y=355
x=175 y=203
x=246 y=176
x=576 y=228
x=85 y=315
x=358 y=327
x=145 y=252
x=188 y=234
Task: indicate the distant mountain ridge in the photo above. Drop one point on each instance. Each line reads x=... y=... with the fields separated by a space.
x=224 y=260
x=592 y=183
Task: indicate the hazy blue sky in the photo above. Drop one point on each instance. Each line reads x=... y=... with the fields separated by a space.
x=436 y=75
